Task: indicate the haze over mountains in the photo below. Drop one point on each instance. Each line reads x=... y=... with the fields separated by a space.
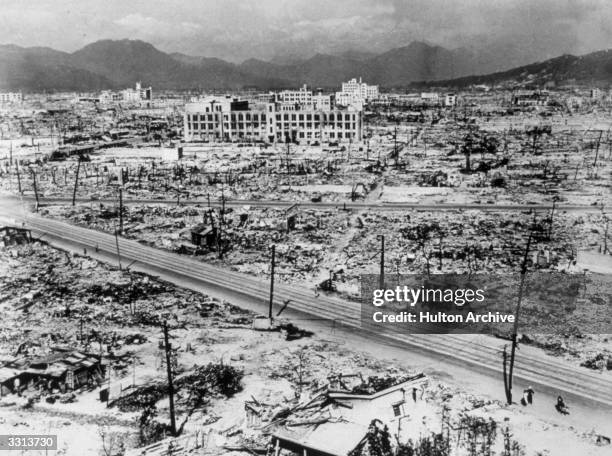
x=110 y=64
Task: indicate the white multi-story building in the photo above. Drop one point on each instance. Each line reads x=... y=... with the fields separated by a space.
x=596 y=93
x=231 y=119
x=301 y=96
x=450 y=100
x=321 y=102
x=108 y=97
x=138 y=94
x=11 y=97
x=365 y=91
x=356 y=93
x=430 y=97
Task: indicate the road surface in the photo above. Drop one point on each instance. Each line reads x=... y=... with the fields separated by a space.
x=475 y=352
x=377 y=206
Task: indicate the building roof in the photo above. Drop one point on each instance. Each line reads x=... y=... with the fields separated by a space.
x=201 y=228
x=334 y=438
x=409 y=383
x=7 y=373
x=56 y=364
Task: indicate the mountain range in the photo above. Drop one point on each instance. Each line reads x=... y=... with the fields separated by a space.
x=117 y=64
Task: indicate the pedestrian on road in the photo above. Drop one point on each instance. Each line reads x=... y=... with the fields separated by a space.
x=561 y=407
x=530 y=392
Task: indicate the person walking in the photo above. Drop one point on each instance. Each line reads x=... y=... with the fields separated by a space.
x=561 y=406
x=530 y=393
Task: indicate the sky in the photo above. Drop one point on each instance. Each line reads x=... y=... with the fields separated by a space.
x=236 y=30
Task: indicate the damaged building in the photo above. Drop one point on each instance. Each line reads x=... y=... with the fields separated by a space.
x=62 y=370
x=227 y=119
x=334 y=421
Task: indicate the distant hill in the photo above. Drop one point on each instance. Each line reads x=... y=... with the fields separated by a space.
x=594 y=68
x=395 y=68
x=120 y=63
x=39 y=69
x=116 y=64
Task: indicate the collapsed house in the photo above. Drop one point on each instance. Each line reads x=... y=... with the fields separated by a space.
x=12 y=235
x=334 y=422
x=204 y=235
x=63 y=370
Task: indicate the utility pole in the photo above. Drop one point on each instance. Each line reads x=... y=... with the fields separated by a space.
x=382 y=262
x=552 y=214
x=395 y=153
x=440 y=252
x=272 y=283
x=168 y=349
x=117 y=244
x=605 y=249
x=221 y=223
x=76 y=181
x=35 y=188
x=597 y=150
x=120 y=210
x=18 y=175
x=508 y=374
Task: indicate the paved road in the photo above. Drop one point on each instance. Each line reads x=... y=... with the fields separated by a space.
x=478 y=352
x=378 y=206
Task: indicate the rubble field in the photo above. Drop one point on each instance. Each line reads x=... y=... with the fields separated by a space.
x=83 y=351
x=487 y=158
x=313 y=242
x=231 y=381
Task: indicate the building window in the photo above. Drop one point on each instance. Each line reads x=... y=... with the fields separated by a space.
x=397 y=408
